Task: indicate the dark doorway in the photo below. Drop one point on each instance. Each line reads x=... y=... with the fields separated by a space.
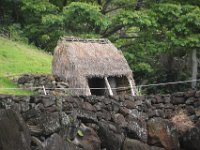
x=97 y=83
x=120 y=83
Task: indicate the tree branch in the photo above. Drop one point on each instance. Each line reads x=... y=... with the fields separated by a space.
x=64 y=3
x=113 y=30
x=126 y=45
x=99 y=2
x=105 y=6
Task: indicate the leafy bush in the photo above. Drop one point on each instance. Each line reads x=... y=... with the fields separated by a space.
x=16 y=33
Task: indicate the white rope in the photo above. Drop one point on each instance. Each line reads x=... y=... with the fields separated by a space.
x=127 y=87
x=66 y=88
x=169 y=83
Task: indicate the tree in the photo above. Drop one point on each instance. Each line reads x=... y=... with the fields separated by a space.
x=84 y=18
x=180 y=25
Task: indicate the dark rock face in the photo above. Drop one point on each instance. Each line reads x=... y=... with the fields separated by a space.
x=50 y=123
x=136 y=129
x=48 y=101
x=162 y=133
x=101 y=123
x=89 y=140
x=49 y=81
x=191 y=139
x=110 y=136
x=177 y=100
x=119 y=120
x=55 y=142
x=14 y=134
x=131 y=144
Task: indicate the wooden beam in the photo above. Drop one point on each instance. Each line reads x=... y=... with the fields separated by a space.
x=131 y=85
x=108 y=86
x=88 y=90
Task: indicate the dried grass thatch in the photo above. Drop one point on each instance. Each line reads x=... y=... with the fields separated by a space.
x=182 y=121
x=77 y=59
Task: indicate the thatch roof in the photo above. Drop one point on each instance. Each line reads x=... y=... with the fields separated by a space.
x=90 y=57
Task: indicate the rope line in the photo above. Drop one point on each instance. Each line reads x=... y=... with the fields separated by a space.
x=127 y=87
x=169 y=83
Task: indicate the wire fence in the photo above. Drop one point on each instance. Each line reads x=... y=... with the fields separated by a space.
x=114 y=88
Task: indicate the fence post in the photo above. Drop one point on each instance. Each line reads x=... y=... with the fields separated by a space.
x=45 y=93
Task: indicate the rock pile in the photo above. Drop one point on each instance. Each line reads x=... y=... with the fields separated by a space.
x=157 y=122
x=53 y=85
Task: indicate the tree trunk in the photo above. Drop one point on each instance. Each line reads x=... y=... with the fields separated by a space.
x=64 y=3
x=194 y=68
x=139 y=4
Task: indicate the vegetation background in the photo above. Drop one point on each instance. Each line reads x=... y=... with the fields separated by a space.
x=159 y=38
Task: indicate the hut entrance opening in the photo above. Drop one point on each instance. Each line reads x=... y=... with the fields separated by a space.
x=97 y=86
x=119 y=85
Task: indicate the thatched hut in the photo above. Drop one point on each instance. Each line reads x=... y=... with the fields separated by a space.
x=92 y=67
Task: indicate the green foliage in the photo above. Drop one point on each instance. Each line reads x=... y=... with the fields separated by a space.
x=16 y=33
x=43 y=23
x=80 y=133
x=82 y=17
x=179 y=24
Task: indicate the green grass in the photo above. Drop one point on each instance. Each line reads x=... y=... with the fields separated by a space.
x=18 y=58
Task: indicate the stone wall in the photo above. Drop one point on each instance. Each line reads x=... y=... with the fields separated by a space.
x=157 y=122
x=53 y=85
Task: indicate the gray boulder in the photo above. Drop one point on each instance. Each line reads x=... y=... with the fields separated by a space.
x=131 y=144
x=191 y=139
x=110 y=136
x=14 y=134
x=55 y=142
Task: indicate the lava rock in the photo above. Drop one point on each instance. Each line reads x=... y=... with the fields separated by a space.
x=87 y=106
x=99 y=106
x=48 y=101
x=178 y=94
x=124 y=111
x=190 y=101
x=197 y=112
x=162 y=133
x=110 y=139
x=159 y=99
x=50 y=123
x=55 y=142
x=24 y=106
x=191 y=139
x=119 y=119
x=197 y=94
x=131 y=144
x=23 y=80
x=14 y=132
x=190 y=93
x=177 y=100
x=86 y=116
x=88 y=140
x=129 y=104
x=136 y=129
x=31 y=113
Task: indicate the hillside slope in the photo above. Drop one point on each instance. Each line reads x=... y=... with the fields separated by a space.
x=18 y=58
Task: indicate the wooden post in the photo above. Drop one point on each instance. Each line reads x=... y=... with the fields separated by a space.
x=45 y=93
x=88 y=92
x=194 y=68
x=108 y=86
x=131 y=85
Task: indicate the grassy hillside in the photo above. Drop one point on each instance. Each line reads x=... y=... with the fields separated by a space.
x=18 y=58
